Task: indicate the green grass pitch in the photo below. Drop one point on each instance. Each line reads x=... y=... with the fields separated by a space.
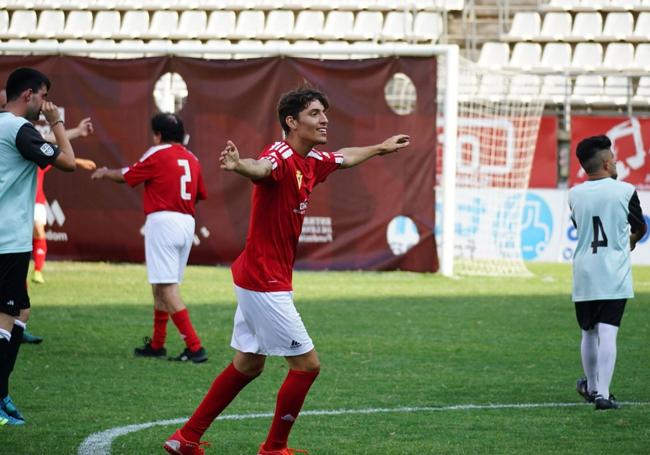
x=386 y=340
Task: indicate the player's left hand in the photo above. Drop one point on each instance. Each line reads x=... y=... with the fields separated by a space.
x=85 y=127
x=229 y=159
x=395 y=143
x=86 y=165
x=99 y=173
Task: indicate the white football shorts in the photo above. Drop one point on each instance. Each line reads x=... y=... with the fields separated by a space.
x=267 y=323
x=168 y=238
x=40 y=214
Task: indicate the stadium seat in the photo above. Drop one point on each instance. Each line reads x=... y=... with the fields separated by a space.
x=642 y=27
x=618 y=27
x=524 y=87
x=50 y=24
x=642 y=94
x=561 y=5
x=618 y=56
x=556 y=56
x=23 y=43
x=628 y=5
x=367 y=26
x=526 y=26
x=220 y=25
x=493 y=87
x=308 y=25
x=556 y=88
x=359 y=44
x=250 y=24
x=69 y=44
x=586 y=27
x=121 y=54
x=587 y=56
x=593 y=5
x=163 y=24
x=525 y=56
x=398 y=26
x=106 y=25
x=249 y=43
x=22 y=23
x=556 y=27
x=158 y=43
x=308 y=43
x=190 y=44
x=102 y=44
x=218 y=43
x=4 y=21
x=134 y=25
x=337 y=25
x=339 y=45
x=642 y=57
x=427 y=26
x=617 y=91
x=279 y=23
x=588 y=89
x=79 y=24
x=190 y=25
x=494 y=55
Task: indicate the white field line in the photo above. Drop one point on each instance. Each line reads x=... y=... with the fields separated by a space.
x=100 y=443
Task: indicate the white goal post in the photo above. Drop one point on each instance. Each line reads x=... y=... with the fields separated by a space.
x=454 y=74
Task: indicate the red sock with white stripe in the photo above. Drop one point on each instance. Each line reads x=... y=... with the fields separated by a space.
x=160 y=319
x=40 y=252
x=290 y=399
x=184 y=325
x=224 y=389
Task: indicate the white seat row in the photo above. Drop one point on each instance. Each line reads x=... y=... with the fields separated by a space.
x=586 y=90
x=426 y=26
x=598 y=5
x=559 y=56
x=111 y=49
x=238 y=5
x=559 y=26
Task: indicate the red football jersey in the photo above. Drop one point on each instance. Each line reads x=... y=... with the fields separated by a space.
x=278 y=209
x=172 y=179
x=40 y=175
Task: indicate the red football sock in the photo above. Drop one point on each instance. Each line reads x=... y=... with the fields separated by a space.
x=184 y=325
x=160 y=319
x=223 y=390
x=290 y=399
x=40 y=251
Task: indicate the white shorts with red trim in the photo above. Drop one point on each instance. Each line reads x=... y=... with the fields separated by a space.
x=40 y=214
x=267 y=323
x=168 y=238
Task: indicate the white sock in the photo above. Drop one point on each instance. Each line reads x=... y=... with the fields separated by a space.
x=20 y=323
x=589 y=355
x=606 y=356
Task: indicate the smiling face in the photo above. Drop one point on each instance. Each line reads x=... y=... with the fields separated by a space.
x=311 y=125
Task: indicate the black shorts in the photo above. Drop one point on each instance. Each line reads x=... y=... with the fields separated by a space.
x=592 y=312
x=13 y=282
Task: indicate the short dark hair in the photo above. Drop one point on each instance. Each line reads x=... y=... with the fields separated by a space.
x=588 y=152
x=23 y=79
x=169 y=126
x=291 y=103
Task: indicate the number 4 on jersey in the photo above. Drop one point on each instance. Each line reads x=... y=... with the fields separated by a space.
x=598 y=229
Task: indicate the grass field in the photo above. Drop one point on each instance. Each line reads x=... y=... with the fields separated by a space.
x=386 y=340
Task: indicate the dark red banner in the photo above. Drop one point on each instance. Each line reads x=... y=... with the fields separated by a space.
x=630 y=138
x=376 y=216
x=543 y=174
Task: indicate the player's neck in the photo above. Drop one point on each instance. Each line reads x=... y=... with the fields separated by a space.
x=598 y=176
x=16 y=109
x=302 y=148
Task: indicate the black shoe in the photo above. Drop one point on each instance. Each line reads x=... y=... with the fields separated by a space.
x=197 y=356
x=31 y=339
x=581 y=388
x=603 y=403
x=148 y=351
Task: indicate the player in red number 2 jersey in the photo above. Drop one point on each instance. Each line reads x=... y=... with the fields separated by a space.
x=266 y=321
x=173 y=184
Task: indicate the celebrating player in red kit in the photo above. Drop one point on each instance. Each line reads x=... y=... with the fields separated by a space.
x=266 y=321
x=173 y=185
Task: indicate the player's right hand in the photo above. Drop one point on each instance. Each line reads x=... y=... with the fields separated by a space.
x=50 y=111
x=229 y=159
x=99 y=173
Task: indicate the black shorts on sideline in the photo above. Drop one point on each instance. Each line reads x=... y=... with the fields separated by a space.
x=13 y=282
x=592 y=312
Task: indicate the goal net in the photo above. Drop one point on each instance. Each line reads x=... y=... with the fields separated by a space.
x=498 y=121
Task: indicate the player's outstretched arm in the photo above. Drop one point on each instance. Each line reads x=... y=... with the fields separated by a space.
x=83 y=129
x=253 y=169
x=65 y=161
x=108 y=174
x=353 y=156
